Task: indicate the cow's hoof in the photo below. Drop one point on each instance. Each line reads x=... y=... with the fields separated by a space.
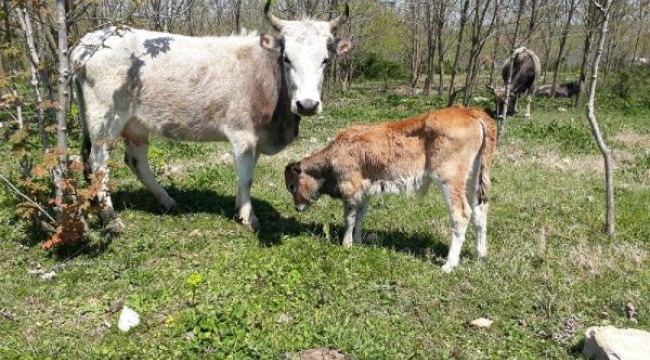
x=168 y=205
x=347 y=243
x=447 y=268
x=115 y=226
x=251 y=222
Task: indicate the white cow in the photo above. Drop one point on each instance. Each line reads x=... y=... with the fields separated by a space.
x=248 y=90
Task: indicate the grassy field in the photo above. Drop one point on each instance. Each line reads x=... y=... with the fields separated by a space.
x=549 y=275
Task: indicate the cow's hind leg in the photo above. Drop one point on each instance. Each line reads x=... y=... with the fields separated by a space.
x=529 y=99
x=245 y=154
x=136 y=140
x=98 y=159
x=454 y=194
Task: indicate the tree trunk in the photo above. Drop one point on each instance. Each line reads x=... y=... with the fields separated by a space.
x=35 y=64
x=478 y=41
x=440 y=21
x=593 y=122
x=589 y=34
x=61 y=115
x=563 y=39
x=431 y=48
x=454 y=68
x=501 y=124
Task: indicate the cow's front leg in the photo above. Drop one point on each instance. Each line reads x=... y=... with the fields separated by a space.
x=351 y=212
x=245 y=159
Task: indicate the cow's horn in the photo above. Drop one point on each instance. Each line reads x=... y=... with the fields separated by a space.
x=335 y=23
x=277 y=23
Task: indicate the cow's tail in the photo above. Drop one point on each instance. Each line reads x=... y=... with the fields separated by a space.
x=485 y=153
x=86 y=145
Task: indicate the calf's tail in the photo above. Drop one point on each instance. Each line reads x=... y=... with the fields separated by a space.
x=486 y=151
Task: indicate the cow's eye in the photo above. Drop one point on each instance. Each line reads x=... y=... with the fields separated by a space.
x=291 y=188
x=326 y=61
x=286 y=60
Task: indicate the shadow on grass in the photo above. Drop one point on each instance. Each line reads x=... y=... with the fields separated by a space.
x=274 y=225
x=206 y=201
x=421 y=245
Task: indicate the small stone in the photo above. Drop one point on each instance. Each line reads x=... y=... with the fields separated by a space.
x=48 y=276
x=630 y=311
x=7 y=314
x=284 y=318
x=128 y=319
x=561 y=109
x=482 y=323
x=195 y=233
x=330 y=353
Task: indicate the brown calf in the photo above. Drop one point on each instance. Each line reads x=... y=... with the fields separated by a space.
x=453 y=146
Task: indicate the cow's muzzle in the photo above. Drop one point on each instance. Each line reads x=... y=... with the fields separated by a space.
x=307 y=107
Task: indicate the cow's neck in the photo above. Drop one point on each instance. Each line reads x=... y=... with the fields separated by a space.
x=283 y=107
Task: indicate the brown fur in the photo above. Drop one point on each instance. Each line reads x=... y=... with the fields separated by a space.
x=453 y=146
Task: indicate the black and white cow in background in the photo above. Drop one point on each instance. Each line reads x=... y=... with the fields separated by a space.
x=564 y=90
x=248 y=90
x=525 y=71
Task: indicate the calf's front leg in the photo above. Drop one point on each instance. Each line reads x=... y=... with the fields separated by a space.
x=351 y=215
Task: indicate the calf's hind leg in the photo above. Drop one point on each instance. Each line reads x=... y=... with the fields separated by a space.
x=479 y=219
x=454 y=193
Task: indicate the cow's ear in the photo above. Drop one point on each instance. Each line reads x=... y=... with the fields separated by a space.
x=342 y=46
x=270 y=42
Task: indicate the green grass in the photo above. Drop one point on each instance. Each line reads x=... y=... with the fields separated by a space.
x=294 y=287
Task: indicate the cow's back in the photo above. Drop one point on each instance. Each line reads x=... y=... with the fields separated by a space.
x=181 y=87
x=525 y=70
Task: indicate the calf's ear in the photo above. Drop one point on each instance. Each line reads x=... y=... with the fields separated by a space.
x=270 y=42
x=293 y=168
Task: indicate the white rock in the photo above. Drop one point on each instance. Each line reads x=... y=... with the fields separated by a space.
x=481 y=323
x=561 y=109
x=609 y=343
x=128 y=319
x=48 y=276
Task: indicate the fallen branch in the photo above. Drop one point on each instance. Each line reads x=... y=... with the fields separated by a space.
x=18 y=192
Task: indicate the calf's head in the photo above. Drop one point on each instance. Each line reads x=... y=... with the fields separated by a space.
x=304 y=188
x=306 y=48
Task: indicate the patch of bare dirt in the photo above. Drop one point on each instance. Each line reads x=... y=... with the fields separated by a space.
x=634 y=140
x=580 y=164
